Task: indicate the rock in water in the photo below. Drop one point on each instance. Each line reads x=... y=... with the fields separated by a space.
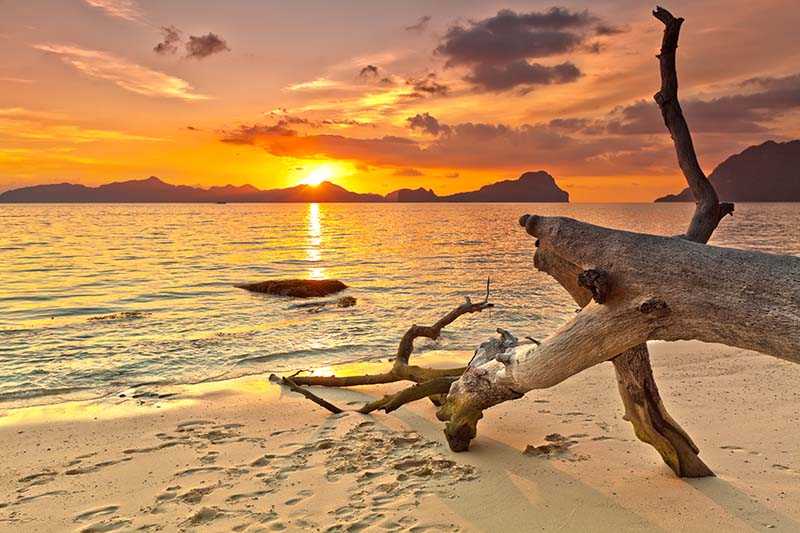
x=297 y=288
x=346 y=301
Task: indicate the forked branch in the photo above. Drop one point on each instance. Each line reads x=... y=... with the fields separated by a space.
x=429 y=382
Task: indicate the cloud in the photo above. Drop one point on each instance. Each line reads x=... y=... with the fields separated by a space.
x=497 y=50
x=33 y=125
x=408 y=172
x=420 y=25
x=630 y=139
x=510 y=36
x=427 y=123
x=315 y=85
x=735 y=113
x=370 y=71
x=202 y=46
x=123 y=9
x=123 y=73
x=15 y=80
x=427 y=86
x=522 y=73
x=169 y=44
x=501 y=146
x=608 y=29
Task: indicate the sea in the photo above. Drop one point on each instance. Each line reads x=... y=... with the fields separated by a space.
x=100 y=298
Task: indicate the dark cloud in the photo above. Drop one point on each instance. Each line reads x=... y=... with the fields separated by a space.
x=370 y=71
x=427 y=123
x=245 y=134
x=521 y=73
x=452 y=175
x=202 y=46
x=427 y=86
x=608 y=29
x=283 y=118
x=407 y=172
x=497 y=50
x=421 y=24
x=345 y=122
x=735 y=113
x=510 y=36
x=169 y=43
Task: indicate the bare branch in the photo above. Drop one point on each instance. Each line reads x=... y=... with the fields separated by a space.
x=416 y=392
x=307 y=393
x=709 y=211
x=432 y=332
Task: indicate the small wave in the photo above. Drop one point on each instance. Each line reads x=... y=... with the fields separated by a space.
x=30 y=394
x=125 y=315
x=291 y=354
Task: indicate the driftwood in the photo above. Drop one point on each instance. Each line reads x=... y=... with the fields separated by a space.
x=430 y=383
x=635 y=288
x=661 y=288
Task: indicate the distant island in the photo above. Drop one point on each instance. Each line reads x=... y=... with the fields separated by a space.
x=529 y=187
x=769 y=172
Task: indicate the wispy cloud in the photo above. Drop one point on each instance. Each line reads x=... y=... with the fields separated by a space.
x=316 y=85
x=123 y=73
x=35 y=125
x=15 y=80
x=169 y=43
x=123 y=9
x=420 y=25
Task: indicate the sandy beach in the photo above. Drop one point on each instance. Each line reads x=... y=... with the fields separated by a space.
x=246 y=455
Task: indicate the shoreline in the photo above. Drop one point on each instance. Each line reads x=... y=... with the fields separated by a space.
x=245 y=454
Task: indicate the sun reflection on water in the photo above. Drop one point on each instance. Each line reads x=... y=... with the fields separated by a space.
x=313 y=249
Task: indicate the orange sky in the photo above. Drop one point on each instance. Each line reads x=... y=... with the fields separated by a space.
x=377 y=95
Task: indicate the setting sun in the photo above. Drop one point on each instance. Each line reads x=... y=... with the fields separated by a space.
x=319 y=174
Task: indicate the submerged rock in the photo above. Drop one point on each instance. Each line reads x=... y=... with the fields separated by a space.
x=316 y=307
x=346 y=301
x=125 y=315
x=297 y=288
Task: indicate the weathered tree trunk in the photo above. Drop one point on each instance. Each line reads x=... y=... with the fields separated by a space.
x=644 y=287
x=637 y=386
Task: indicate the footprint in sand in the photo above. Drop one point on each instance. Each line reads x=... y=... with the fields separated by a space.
x=209 y=458
x=102 y=527
x=132 y=451
x=195 y=495
x=94 y=467
x=302 y=495
x=38 y=479
x=33 y=497
x=95 y=513
x=203 y=517
x=198 y=470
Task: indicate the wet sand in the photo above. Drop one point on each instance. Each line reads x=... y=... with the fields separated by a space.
x=246 y=455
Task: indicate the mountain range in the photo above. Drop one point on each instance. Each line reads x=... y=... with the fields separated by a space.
x=529 y=187
x=768 y=172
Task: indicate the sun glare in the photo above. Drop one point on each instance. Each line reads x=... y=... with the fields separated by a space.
x=318 y=175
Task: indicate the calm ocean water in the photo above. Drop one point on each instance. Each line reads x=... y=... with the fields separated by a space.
x=166 y=274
